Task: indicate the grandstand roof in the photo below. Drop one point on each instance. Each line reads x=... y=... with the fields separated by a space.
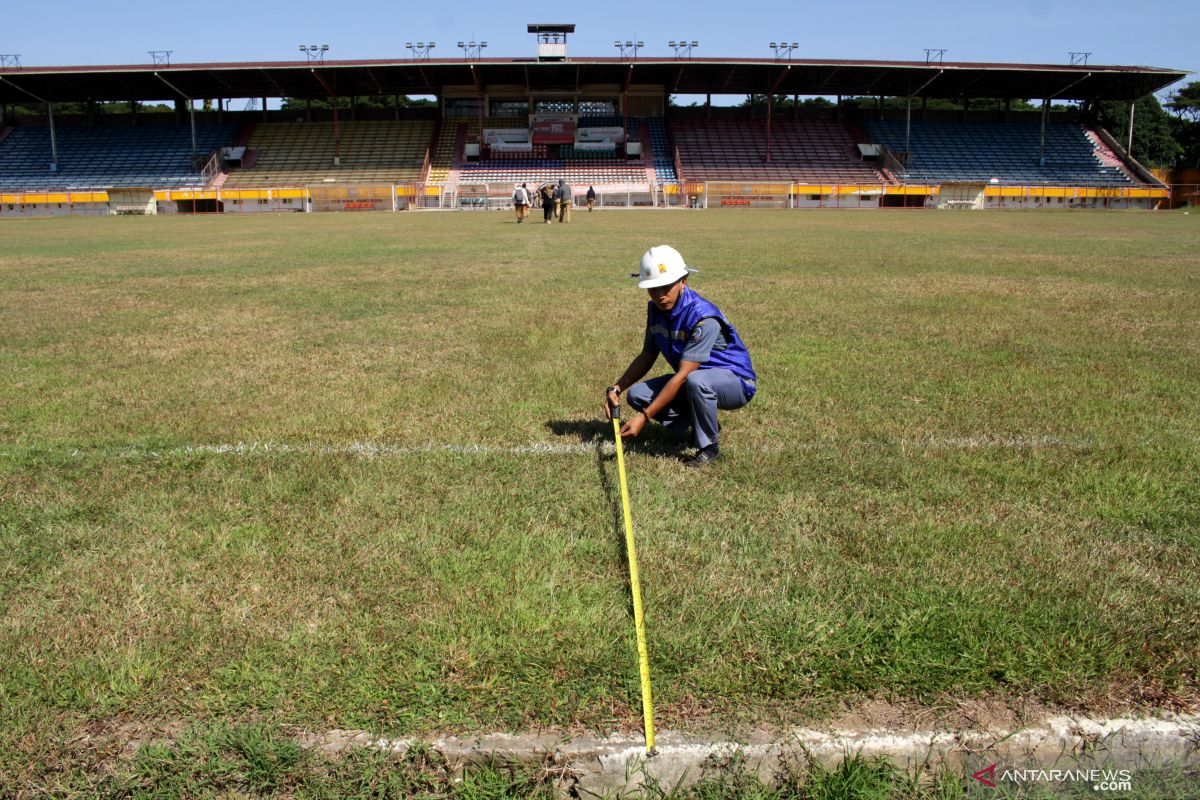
x=678 y=76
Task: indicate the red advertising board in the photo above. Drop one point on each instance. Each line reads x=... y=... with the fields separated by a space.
x=553 y=131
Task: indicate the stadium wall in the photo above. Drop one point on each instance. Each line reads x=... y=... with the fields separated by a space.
x=715 y=196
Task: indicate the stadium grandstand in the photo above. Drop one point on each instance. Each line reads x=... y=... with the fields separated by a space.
x=600 y=121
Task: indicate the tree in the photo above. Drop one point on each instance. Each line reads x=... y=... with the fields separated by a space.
x=1153 y=142
x=1186 y=102
x=366 y=101
x=1185 y=124
x=62 y=109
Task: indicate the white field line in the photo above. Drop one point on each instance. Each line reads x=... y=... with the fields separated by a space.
x=376 y=450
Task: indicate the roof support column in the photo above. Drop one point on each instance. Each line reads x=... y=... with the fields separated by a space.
x=53 y=140
x=191 y=108
x=770 y=103
x=50 y=114
x=1129 y=140
x=337 y=137
x=1042 y=143
x=264 y=113
x=907 y=132
x=908 y=117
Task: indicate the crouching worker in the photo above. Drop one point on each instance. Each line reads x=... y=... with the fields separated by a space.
x=712 y=366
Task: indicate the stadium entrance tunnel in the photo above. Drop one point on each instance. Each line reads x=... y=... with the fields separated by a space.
x=902 y=201
x=212 y=206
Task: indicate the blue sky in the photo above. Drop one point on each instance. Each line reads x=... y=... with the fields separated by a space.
x=1149 y=32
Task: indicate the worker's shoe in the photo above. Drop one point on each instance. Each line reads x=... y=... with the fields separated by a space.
x=704 y=458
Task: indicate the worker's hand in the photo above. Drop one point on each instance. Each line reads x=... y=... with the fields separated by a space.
x=633 y=426
x=611 y=398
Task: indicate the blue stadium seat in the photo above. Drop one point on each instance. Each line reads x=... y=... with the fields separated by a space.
x=1006 y=152
x=99 y=157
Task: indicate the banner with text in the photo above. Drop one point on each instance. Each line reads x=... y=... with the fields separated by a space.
x=553 y=128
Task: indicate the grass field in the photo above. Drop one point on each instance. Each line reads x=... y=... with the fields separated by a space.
x=339 y=471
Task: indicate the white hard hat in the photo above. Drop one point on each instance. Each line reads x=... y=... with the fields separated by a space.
x=661 y=266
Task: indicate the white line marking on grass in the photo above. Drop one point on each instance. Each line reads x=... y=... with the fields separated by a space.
x=373 y=450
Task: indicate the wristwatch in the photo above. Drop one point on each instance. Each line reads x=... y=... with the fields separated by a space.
x=614 y=388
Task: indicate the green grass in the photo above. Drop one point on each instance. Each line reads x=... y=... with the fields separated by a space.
x=970 y=472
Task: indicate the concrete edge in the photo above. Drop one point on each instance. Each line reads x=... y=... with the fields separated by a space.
x=617 y=765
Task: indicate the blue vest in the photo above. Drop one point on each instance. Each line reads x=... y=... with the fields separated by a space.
x=671 y=334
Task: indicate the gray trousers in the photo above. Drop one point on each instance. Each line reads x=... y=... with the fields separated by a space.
x=695 y=405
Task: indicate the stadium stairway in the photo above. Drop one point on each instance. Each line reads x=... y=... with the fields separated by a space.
x=433 y=139
x=649 y=157
x=4 y=134
x=1103 y=152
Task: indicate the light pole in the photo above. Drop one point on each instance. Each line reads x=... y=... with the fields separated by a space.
x=629 y=48
x=315 y=53
x=420 y=49
x=683 y=48
x=471 y=49
x=783 y=49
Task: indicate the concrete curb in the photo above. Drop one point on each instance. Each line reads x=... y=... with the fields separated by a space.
x=617 y=766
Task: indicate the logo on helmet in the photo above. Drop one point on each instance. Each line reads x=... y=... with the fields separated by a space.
x=662 y=268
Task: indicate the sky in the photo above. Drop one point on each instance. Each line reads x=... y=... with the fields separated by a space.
x=1146 y=33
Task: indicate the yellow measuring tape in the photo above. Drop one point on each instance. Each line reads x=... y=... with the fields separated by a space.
x=636 y=584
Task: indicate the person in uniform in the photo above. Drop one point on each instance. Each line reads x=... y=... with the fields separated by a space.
x=521 y=202
x=711 y=364
x=563 y=193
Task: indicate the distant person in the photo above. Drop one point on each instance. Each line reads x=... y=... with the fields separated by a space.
x=712 y=366
x=547 y=197
x=521 y=202
x=564 y=200
x=591 y=198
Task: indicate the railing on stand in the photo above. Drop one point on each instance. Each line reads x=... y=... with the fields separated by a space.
x=212 y=168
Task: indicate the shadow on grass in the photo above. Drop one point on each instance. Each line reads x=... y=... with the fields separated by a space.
x=654 y=441
x=600 y=433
